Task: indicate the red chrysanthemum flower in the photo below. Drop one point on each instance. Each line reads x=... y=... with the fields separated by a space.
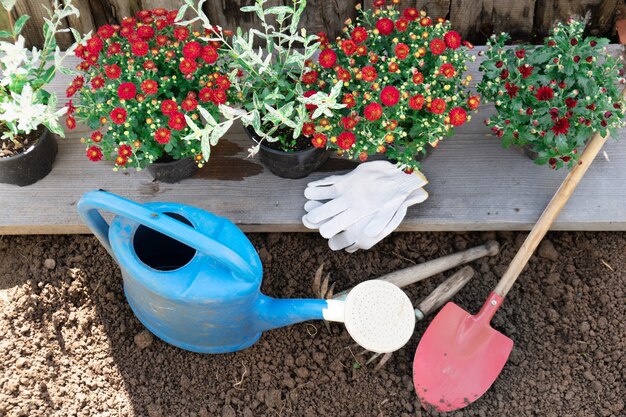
x=437 y=46
x=389 y=96
x=458 y=116
x=570 y=103
x=145 y=32
x=125 y=151
x=126 y=91
x=189 y=104
x=162 y=135
x=526 y=70
x=129 y=22
x=438 y=106
x=511 y=89
x=410 y=13
x=447 y=70
x=416 y=102
x=561 y=126
x=359 y=34
x=348 y=123
x=418 y=77
x=149 y=87
x=319 y=140
x=192 y=50
x=78 y=82
x=187 y=66
x=97 y=136
x=426 y=21
x=219 y=97
x=309 y=77
x=345 y=140
x=520 y=53
x=120 y=161
x=373 y=112
x=452 y=39
x=544 y=93
x=181 y=33
x=385 y=26
x=161 y=40
x=139 y=48
x=149 y=65
x=348 y=47
x=369 y=74
x=169 y=107
x=209 y=54
x=308 y=129
x=327 y=58
x=361 y=50
x=177 y=121
x=112 y=71
x=70 y=122
x=205 y=95
x=70 y=91
x=402 y=50
x=222 y=82
x=94 y=45
x=94 y=154
x=504 y=74
x=97 y=82
x=402 y=24
x=118 y=115
x=343 y=74
x=106 y=31
x=348 y=100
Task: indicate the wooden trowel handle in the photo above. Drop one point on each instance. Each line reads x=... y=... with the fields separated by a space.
x=550 y=214
x=444 y=292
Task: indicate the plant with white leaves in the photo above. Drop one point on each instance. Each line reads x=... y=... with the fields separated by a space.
x=24 y=103
x=277 y=98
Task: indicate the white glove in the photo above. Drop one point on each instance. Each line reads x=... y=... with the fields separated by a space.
x=356 y=236
x=372 y=195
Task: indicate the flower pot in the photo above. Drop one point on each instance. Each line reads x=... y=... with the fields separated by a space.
x=527 y=150
x=294 y=165
x=32 y=164
x=173 y=171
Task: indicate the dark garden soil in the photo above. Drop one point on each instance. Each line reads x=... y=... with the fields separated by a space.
x=9 y=148
x=70 y=345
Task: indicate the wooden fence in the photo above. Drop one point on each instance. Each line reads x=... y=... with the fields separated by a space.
x=526 y=20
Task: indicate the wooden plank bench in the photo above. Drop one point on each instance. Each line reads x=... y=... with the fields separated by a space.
x=474 y=185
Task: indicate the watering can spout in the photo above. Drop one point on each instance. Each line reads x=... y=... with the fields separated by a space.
x=273 y=313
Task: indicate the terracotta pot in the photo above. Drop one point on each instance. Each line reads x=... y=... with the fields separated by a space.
x=32 y=164
x=294 y=165
x=173 y=171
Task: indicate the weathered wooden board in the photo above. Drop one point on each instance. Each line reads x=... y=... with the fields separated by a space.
x=474 y=19
x=474 y=185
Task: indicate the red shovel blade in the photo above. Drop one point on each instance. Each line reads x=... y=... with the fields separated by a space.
x=459 y=357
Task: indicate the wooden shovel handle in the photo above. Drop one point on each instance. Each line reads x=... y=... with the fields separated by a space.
x=550 y=213
x=444 y=292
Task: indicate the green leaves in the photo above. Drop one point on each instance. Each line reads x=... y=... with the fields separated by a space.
x=19 y=24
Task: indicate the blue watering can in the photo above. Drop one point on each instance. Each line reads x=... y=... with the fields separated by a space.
x=193 y=279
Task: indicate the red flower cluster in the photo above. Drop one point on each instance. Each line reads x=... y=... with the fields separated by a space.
x=147 y=76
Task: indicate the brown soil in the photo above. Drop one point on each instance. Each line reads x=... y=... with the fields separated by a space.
x=70 y=345
x=9 y=148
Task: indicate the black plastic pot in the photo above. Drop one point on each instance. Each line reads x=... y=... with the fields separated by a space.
x=173 y=171
x=292 y=165
x=31 y=165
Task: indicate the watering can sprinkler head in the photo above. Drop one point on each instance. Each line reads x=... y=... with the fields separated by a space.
x=193 y=279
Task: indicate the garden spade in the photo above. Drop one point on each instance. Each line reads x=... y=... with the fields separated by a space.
x=460 y=355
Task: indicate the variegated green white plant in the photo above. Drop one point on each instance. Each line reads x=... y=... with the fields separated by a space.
x=268 y=78
x=24 y=103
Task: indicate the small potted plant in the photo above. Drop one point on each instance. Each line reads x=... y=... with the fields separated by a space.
x=278 y=103
x=403 y=84
x=146 y=88
x=550 y=98
x=29 y=118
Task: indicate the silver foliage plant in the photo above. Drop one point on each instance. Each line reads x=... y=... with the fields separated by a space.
x=270 y=89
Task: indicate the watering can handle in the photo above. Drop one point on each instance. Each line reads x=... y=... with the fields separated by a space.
x=93 y=201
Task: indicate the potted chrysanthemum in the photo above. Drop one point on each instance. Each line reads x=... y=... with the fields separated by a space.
x=276 y=103
x=146 y=88
x=550 y=98
x=29 y=118
x=403 y=85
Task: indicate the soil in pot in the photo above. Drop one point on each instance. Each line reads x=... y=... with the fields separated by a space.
x=29 y=160
x=170 y=170
x=297 y=164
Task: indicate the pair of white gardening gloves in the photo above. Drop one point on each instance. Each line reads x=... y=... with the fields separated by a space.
x=357 y=210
